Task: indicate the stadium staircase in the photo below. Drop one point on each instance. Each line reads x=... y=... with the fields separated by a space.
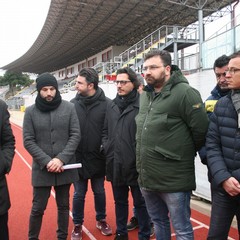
x=170 y=38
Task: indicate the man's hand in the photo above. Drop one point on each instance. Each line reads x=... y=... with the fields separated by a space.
x=55 y=165
x=231 y=186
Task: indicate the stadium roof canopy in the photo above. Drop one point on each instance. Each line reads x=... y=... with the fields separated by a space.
x=77 y=29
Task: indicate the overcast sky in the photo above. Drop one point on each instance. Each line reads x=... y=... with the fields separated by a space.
x=20 y=24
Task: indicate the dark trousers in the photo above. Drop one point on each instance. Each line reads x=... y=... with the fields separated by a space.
x=224 y=207
x=120 y=194
x=4 y=226
x=40 y=200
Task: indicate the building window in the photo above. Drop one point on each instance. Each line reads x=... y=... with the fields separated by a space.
x=92 y=62
x=106 y=57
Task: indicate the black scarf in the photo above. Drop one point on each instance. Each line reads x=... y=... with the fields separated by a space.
x=88 y=100
x=123 y=101
x=46 y=106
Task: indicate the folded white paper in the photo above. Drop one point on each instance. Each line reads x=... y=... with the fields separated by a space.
x=72 y=166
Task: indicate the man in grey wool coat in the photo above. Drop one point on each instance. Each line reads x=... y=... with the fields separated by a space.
x=51 y=135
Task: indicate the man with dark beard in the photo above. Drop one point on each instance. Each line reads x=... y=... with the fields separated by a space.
x=171 y=128
x=90 y=103
x=119 y=145
x=51 y=135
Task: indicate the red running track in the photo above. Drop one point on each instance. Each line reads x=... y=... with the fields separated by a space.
x=19 y=181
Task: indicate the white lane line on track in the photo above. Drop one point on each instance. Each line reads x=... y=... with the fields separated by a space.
x=23 y=159
x=16 y=125
x=87 y=232
x=199 y=223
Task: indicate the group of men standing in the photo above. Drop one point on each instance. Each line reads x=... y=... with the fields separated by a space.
x=146 y=144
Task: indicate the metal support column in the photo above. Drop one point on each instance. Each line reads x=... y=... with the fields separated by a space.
x=200 y=22
x=175 y=53
x=233 y=27
x=175 y=48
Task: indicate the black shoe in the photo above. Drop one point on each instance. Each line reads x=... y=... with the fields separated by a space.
x=121 y=237
x=133 y=224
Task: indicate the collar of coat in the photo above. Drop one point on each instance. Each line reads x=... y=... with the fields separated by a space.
x=176 y=78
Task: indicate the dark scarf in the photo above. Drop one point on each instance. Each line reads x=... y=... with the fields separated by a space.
x=46 y=106
x=123 y=101
x=88 y=100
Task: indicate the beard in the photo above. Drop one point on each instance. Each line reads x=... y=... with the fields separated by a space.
x=49 y=98
x=83 y=93
x=156 y=82
x=223 y=87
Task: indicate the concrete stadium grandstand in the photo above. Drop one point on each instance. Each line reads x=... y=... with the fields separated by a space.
x=107 y=34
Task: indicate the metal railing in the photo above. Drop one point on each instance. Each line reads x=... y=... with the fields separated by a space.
x=158 y=39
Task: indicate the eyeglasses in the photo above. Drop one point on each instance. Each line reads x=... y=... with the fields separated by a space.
x=151 y=68
x=219 y=75
x=121 y=82
x=232 y=71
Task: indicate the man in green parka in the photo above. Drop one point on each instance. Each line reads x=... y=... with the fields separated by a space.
x=171 y=128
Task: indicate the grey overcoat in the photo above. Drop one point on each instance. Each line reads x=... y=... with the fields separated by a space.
x=51 y=134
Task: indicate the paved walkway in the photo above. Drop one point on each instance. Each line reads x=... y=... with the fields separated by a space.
x=16 y=117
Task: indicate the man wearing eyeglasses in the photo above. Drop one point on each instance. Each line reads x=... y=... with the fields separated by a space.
x=223 y=154
x=220 y=90
x=119 y=146
x=171 y=128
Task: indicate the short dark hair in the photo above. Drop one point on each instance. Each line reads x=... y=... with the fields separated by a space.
x=221 y=61
x=163 y=54
x=140 y=78
x=91 y=76
x=131 y=75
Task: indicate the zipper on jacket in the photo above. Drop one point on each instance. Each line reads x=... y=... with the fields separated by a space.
x=144 y=124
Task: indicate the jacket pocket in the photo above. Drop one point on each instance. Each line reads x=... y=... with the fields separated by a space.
x=167 y=154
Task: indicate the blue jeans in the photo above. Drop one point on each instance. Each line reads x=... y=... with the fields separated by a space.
x=120 y=194
x=80 y=190
x=160 y=204
x=224 y=207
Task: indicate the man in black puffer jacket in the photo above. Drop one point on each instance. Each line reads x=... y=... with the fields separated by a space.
x=223 y=154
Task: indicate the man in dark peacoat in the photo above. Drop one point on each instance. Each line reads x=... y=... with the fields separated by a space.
x=7 y=143
x=119 y=145
x=91 y=104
